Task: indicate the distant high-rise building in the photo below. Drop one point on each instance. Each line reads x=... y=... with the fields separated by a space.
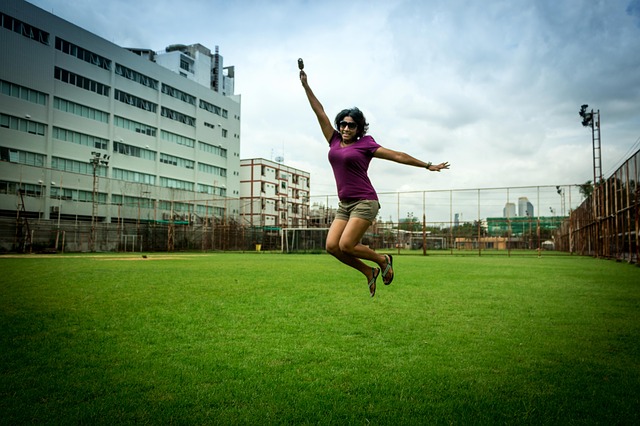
x=525 y=208
x=509 y=210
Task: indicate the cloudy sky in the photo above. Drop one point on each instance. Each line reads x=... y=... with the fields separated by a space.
x=494 y=87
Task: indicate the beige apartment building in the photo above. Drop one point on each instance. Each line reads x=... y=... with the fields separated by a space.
x=273 y=194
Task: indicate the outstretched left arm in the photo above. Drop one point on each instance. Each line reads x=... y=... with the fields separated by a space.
x=404 y=158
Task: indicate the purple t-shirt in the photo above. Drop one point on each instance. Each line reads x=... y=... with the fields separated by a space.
x=350 y=164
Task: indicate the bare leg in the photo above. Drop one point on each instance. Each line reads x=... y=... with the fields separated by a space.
x=343 y=242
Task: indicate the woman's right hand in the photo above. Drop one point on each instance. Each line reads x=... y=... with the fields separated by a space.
x=303 y=78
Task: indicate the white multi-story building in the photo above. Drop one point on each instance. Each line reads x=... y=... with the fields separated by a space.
x=89 y=129
x=197 y=63
x=273 y=195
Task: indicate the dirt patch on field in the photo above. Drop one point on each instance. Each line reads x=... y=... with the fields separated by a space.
x=144 y=258
x=102 y=257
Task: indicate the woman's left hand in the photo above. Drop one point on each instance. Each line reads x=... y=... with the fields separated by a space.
x=438 y=167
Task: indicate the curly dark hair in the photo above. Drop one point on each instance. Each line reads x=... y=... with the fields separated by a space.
x=357 y=116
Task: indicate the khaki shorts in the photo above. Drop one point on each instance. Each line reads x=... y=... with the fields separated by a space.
x=363 y=209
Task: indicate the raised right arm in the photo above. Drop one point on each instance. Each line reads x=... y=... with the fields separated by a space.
x=316 y=106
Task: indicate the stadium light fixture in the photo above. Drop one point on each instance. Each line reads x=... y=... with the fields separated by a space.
x=97 y=159
x=587 y=116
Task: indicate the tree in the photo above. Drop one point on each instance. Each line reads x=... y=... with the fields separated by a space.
x=479 y=224
x=586 y=189
x=470 y=229
x=410 y=223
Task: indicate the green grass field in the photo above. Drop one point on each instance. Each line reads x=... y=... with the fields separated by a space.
x=296 y=339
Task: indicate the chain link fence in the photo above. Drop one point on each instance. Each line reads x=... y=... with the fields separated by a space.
x=601 y=220
x=492 y=220
x=607 y=223
x=501 y=221
x=49 y=236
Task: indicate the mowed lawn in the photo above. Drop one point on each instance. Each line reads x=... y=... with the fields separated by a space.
x=295 y=339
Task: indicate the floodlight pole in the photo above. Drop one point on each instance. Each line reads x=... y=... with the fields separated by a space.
x=592 y=119
x=597 y=153
x=95 y=160
x=59 y=208
x=561 y=193
x=597 y=174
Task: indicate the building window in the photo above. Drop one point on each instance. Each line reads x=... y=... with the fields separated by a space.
x=22 y=125
x=205 y=210
x=213 y=190
x=178 y=94
x=176 y=183
x=134 y=126
x=213 y=149
x=131 y=176
x=130 y=201
x=87 y=197
x=80 y=110
x=135 y=101
x=136 y=76
x=79 y=195
x=79 y=138
x=174 y=206
x=80 y=81
x=176 y=161
x=22 y=28
x=27 y=189
x=21 y=157
x=178 y=116
x=214 y=109
x=24 y=93
x=62 y=193
x=214 y=170
x=185 y=64
x=133 y=151
x=177 y=139
x=82 y=54
x=84 y=168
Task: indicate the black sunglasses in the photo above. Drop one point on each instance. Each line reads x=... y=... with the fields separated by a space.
x=350 y=124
